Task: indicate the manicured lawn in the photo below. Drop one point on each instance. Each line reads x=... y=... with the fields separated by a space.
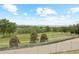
x=24 y=38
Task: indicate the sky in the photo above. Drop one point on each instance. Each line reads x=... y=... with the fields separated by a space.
x=41 y=14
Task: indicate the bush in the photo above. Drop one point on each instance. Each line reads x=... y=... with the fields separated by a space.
x=34 y=37
x=43 y=38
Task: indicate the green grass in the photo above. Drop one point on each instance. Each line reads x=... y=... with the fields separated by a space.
x=24 y=38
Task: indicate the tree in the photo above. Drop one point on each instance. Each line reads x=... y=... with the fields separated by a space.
x=47 y=29
x=77 y=28
x=7 y=27
x=74 y=29
x=3 y=26
x=11 y=27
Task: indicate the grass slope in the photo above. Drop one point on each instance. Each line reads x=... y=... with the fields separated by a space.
x=24 y=38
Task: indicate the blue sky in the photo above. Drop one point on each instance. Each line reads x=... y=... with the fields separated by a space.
x=41 y=14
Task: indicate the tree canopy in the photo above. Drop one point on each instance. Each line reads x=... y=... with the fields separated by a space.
x=7 y=27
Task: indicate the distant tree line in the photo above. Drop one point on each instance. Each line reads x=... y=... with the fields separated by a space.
x=74 y=29
x=7 y=27
x=28 y=29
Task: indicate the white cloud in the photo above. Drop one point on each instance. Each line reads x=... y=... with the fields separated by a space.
x=11 y=8
x=73 y=10
x=15 y=13
x=50 y=20
x=45 y=11
x=56 y=20
x=25 y=14
x=68 y=16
